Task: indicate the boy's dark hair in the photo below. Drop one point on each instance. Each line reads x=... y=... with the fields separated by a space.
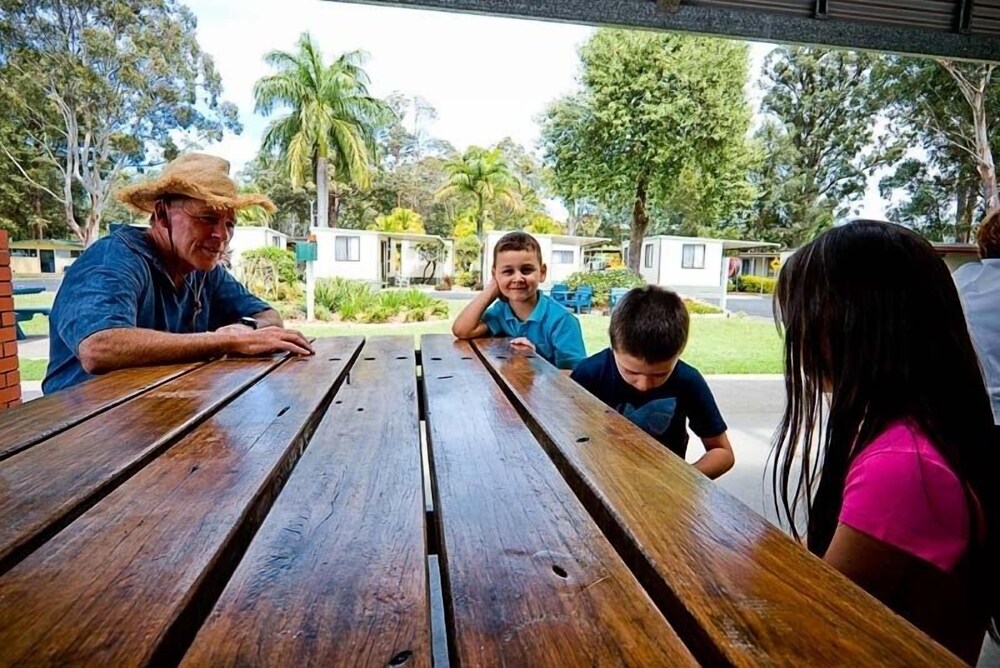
x=989 y=236
x=517 y=241
x=650 y=323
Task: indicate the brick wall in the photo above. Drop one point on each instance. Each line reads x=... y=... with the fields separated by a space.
x=10 y=378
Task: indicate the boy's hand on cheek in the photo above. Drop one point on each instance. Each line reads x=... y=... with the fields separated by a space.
x=492 y=288
x=521 y=343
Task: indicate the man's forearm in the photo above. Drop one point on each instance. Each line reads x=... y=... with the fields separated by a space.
x=113 y=349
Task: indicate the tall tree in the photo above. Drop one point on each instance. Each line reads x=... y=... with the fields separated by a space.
x=650 y=106
x=332 y=121
x=400 y=220
x=482 y=175
x=953 y=126
x=818 y=141
x=122 y=76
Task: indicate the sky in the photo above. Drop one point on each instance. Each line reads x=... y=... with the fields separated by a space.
x=488 y=77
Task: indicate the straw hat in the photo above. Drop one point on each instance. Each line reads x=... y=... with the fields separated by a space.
x=196 y=175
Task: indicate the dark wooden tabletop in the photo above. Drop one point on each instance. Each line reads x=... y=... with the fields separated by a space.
x=467 y=505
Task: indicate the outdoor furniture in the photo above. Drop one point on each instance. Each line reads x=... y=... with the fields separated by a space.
x=616 y=294
x=580 y=300
x=276 y=512
x=559 y=292
x=25 y=313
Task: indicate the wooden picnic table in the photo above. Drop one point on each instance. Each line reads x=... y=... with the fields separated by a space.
x=467 y=505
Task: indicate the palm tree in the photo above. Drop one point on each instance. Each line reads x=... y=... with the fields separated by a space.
x=332 y=122
x=401 y=221
x=484 y=175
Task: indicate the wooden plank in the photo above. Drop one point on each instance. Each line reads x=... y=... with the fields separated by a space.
x=529 y=580
x=739 y=590
x=44 y=487
x=337 y=573
x=37 y=420
x=129 y=581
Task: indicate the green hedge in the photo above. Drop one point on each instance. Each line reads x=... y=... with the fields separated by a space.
x=757 y=284
x=339 y=298
x=603 y=281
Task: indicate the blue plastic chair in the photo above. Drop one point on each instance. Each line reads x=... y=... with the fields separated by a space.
x=616 y=295
x=582 y=299
x=559 y=292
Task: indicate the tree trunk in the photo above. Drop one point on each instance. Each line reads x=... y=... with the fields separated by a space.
x=640 y=223
x=574 y=220
x=322 y=194
x=481 y=235
x=974 y=93
x=960 y=213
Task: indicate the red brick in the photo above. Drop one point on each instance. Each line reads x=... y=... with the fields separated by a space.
x=4 y=258
x=3 y=238
x=9 y=394
x=7 y=334
x=6 y=304
x=7 y=364
x=5 y=289
x=5 y=275
x=8 y=349
x=14 y=404
x=6 y=319
x=13 y=378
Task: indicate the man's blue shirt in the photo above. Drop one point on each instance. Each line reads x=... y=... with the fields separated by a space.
x=121 y=281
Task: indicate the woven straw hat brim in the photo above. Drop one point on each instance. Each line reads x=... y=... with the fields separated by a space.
x=142 y=197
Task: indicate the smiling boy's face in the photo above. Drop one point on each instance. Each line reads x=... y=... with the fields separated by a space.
x=518 y=273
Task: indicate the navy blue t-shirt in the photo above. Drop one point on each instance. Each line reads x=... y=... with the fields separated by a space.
x=121 y=281
x=663 y=412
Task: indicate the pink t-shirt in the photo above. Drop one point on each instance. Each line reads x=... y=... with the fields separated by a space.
x=903 y=493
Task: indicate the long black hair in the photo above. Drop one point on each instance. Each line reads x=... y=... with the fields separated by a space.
x=871 y=315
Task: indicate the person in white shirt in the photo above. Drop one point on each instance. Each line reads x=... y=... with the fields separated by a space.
x=979 y=287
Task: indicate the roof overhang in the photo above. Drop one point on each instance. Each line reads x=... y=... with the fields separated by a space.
x=966 y=29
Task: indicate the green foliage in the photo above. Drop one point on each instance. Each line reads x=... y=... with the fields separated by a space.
x=540 y=223
x=818 y=144
x=655 y=113
x=400 y=220
x=282 y=259
x=700 y=308
x=758 y=284
x=482 y=175
x=467 y=279
x=467 y=252
x=333 y=118
x=356 y=301
x=603 y=281
x=103 y=87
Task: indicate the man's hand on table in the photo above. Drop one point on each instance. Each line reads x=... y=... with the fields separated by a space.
x=244 y=340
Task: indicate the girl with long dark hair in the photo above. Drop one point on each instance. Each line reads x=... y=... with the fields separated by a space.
x=887 y=444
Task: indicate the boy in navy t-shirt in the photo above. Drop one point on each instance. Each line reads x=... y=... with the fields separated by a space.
x=642 y=376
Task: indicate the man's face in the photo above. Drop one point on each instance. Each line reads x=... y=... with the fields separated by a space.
x=642 y=375
x=518 y=273
x=200 y=233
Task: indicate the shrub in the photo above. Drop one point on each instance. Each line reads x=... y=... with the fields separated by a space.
x=757 y=284
x=355 y=301
x=603 y=281
x=282 y=260
x=467 y=279
x=700 y=308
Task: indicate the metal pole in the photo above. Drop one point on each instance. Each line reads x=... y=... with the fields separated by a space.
x=310 y=292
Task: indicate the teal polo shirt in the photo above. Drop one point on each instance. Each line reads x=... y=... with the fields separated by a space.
x=553 y=329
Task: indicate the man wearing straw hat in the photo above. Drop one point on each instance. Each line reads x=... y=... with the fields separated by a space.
x=159 y=296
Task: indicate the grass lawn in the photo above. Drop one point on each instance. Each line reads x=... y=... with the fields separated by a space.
x=735 y=345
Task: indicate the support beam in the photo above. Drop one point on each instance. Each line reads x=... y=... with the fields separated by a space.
x=965 y=15
x=822 y=9
x=729 y=22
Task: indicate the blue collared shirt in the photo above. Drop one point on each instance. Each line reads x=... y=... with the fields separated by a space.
x=555 y=331
x=979 y=286
x=121 y=281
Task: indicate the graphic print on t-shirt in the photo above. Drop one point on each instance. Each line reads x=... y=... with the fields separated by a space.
x=653 y=417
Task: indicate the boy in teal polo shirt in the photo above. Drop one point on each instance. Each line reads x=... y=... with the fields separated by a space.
x=534 y=320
